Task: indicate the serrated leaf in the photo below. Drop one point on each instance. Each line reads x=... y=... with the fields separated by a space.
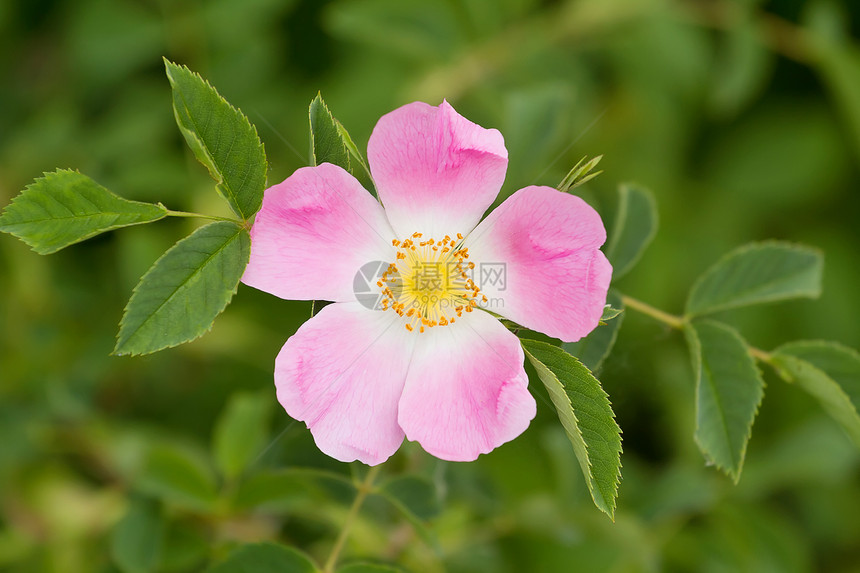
x=633 y=229
x=351 y=146
x=327 y=144
x=177 y=476
x=828 y=371
x=241 y=431
x=265 y=558
x=222 y=139
x=584 y=410
x=755 y=274
x=182 y=293
x=65 y=207
x=594 y=348
x=729 y=389
x=137 y=539
x=416 y=494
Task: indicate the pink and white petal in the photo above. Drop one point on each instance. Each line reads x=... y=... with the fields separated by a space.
x=313 y=233
x=342 y=373
x=466 y=392
x=436 y=172
x=544 y=246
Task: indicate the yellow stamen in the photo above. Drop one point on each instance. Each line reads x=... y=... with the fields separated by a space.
x=430 y=285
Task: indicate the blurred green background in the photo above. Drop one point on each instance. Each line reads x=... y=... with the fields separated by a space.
x=742 y=116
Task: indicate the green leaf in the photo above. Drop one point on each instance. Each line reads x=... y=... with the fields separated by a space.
x=416 y=494
x=594 y=348
x=221 y=138
x=241 y=431
x=351 y=147
x=581 y=173
x=633 y=229
x=584 y=410
x=742 y=68
x=137 y=539
x=417 y=498
x=327 y=143
x=729 y=389
x=828 y=371
x=187 y=545
x=66 y=207
x=288 y=489
x=178 y=476
x=610 y=312
x=368 y=568
x=265 y=558
x=837 y=60
x=757 y=273
x=181 y=294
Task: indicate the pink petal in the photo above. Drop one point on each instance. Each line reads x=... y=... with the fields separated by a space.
x=342 y=373
x=546 y=243
x=466 y=392
x=313 y=233
x=436 y=172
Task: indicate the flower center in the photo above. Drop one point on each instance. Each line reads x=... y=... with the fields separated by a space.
x=430 y=283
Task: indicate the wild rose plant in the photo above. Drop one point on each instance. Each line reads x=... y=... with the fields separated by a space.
x=435 y=306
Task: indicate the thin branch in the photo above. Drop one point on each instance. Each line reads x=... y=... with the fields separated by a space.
x=202 y=216
x=678 y=323
x=779 y=35
x=363 y=489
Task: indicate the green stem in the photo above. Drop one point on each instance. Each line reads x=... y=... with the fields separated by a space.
x=779 y=35
x=364 y=488
x=202 y=216
x=678 y=322
x=655 y=313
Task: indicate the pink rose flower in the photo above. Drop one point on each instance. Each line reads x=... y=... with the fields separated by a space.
x=428 y=362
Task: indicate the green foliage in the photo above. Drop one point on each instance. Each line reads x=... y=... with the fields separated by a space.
x=181 y=294
x=729 y=390
x=290 y=489
x=828 y=371
x=368 y=568
x=755 y=274
x=241 y=431
x=415 y=494
x=137 y=539
x=265 y=558
x=742 y=68
x=594 y=348
x=221 y=138
x=584 y=410
x=710 y=104
x=65 y=207
x=176 y=476
x=837 y=59
x=328 y=144
x=633 y=229
x=609 y=311
x=581 y=173
x=351 y=147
